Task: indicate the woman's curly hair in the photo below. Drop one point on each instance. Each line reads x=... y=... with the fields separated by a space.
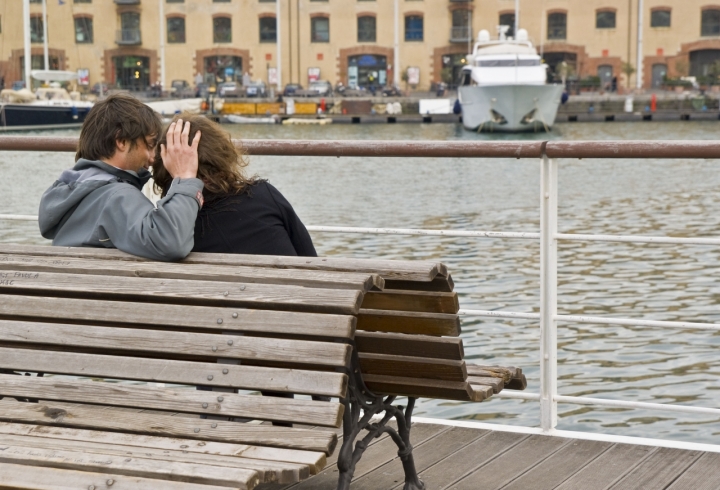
x=221 y=165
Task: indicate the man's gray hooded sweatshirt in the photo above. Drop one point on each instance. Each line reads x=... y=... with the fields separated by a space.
x=98 y=205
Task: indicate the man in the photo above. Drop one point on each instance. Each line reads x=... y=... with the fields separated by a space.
x=99 y=202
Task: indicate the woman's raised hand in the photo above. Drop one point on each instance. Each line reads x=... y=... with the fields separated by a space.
x=180 y=157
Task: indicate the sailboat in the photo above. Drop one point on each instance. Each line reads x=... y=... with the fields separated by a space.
x=48 y=107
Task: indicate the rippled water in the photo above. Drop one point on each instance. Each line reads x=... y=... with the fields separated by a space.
x=661 y=282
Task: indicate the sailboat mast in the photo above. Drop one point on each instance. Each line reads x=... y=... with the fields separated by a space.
x=46 y=57
x=26 y=36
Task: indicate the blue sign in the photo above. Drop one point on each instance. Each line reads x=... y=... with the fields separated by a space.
x=229 y=71
x=367 y=60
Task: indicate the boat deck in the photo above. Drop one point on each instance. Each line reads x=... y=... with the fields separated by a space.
x=472 y=459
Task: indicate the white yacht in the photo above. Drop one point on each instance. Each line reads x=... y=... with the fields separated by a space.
x=504 y=87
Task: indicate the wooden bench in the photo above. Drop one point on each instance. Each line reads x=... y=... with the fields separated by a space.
x=352 y=330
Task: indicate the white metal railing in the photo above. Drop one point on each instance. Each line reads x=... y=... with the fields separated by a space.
x=549 y=237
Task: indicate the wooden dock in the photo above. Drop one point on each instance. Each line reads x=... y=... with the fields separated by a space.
x=458 y=458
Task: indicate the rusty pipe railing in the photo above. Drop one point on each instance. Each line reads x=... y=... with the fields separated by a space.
x=438 y=149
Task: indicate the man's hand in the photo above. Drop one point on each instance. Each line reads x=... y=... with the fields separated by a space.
x=180 y=158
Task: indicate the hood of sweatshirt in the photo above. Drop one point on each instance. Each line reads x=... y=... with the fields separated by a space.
x=60 y=200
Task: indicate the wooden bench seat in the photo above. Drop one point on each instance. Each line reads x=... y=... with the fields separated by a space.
x=119 y=344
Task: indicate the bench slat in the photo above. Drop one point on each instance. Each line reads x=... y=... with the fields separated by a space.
x=412 y=367
x=22 y=477
x=130 y=466
x=413 y=270
x=441 y=283
x=265 y=296
x=175 y=316
x=268 y=471
x=437 y=324
x=169 y=371
x=416 y=301
x=162 y=424
x=314 y=460
x=200 y=272
x=298 y=352
x=450 y=348
x=419 y=388
x=185 y=400
x=496 y=384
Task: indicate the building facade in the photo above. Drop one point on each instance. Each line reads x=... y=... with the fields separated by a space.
x=120 y=42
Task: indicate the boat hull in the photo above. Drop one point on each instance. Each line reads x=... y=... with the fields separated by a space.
x=18 y=117
x=509 y=108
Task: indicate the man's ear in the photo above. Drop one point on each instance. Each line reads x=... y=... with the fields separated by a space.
x=122 y=146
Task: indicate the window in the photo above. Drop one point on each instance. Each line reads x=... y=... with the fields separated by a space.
x=366 y=29
x=222 y=30
x=508 y=20
x=413 y=28
x=175 y=1
x=660 y=18
x=557 y=26
x=320 y=30
x=83 y=30
x=605 y=19
x=175 y=29
x=268 y=30
x=220 y=1
x=82 y=1
x=710 y=23
x=36 y=29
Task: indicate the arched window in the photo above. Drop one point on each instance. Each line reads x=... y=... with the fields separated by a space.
x=508 y=20
x=605 y=19
x=176 y=29
x=83 y=30
x=557 y=25
x=414 y=28
x=222 y=30
x=366 y=29
x=660 y=18
x=36 y=29
x=710 y=25
x=268 y=29
x=320 y=29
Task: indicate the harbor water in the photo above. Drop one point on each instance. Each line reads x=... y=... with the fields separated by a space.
x=638 y=197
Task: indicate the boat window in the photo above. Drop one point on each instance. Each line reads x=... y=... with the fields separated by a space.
x=506 y=63
x=528 y=63
x=466 y=77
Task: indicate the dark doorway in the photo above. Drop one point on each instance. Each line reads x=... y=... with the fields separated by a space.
x=705 y=63
x=132 y=72
x=659 y=73
x=367 y=70
x=554 y=62
x=219 y=69
x=452 y=65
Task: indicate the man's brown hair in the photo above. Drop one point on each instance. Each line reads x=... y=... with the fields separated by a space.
x=220 y=163
x=120 y=117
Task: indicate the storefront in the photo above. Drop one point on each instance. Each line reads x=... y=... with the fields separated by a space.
x=132 y=72
x=225 y=68
x=367 y=70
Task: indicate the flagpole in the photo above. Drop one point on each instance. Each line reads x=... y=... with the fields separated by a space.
x=26 y=43
x=45 y=36
x=278 y=46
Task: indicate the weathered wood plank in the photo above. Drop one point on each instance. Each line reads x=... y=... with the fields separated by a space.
x=437 y=324
x=506 y=373
x=702 y=475
x=53 y=414
x=450 y=348
x=609 y=467
x=419 y=388
x=418 y=301
x=129 y=466
x=23 y=477
x=496 y=383
x=658 y=470
x=173 y=316
x=472 y=456
x=441 y=283
x=481 y=392
x=412 y=367
x=560 y=466
x=511 y=464
x=314 y=460
x=178 y=400
x=171 y=344
x=181 y=291
x=200 y=272
x=170 y=371
x=414 y=270
x=268 y=471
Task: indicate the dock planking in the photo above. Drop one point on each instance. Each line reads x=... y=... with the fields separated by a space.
x=455 y=458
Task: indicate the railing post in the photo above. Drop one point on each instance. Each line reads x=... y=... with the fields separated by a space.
x=548 y=292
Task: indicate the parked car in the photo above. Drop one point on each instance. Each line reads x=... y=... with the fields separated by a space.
x=229 y=89
x=256 y=89
x=291 y=88
x=322 y=88
x=180 y=89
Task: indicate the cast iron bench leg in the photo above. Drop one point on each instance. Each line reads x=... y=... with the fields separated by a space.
x=361 y=406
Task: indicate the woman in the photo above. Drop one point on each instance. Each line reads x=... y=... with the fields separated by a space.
x=243 y=215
